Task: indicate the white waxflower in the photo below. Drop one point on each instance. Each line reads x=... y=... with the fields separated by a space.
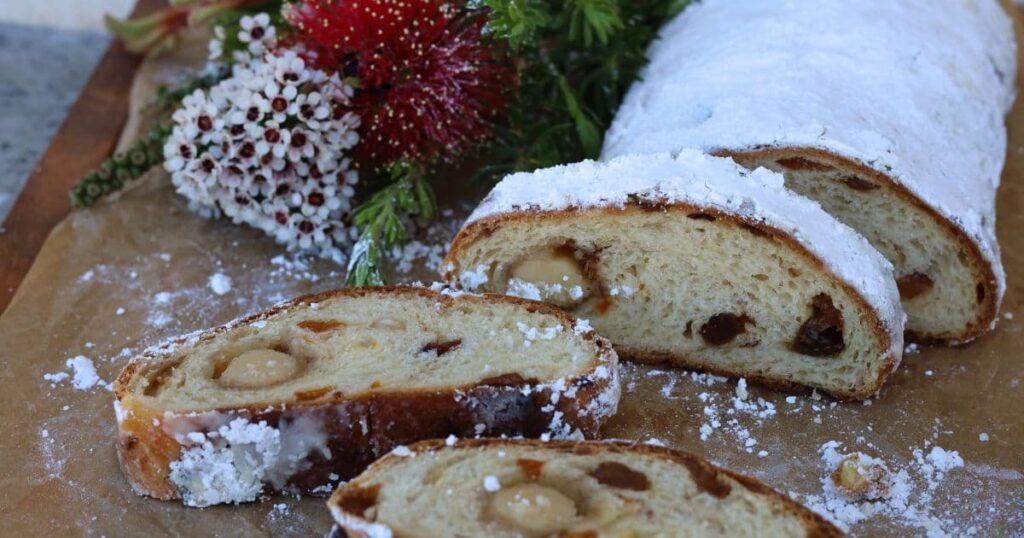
x=230 y=152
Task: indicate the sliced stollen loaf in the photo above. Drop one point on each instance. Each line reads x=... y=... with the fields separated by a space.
x=890 y=113
x=693 y=261
x=506 y=488
x=310 y=392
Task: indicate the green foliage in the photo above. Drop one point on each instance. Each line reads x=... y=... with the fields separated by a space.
x=144 y=154
x=577 y=58
x=517 y=21
x=380 y=220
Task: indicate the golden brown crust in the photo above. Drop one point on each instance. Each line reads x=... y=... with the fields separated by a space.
x=361 y=428
x=987 y=308
x=700 y=469
x=486 y=226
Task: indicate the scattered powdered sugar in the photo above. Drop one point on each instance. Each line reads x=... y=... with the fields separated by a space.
x=532 y=334
x=491 y=484
x=429 y=247
x=83 y=374
x=723 y=416
x=402 y=451
x=220 y=283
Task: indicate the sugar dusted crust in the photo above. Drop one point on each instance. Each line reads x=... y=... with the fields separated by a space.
x=700 y=471
x=910 y=94
x=334 y=436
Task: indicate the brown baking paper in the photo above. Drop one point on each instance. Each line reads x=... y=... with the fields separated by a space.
x=130 y=272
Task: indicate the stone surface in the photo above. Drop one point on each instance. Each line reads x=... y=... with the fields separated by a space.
x=41 y=72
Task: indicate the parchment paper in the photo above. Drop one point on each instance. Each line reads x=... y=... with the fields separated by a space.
x=128 y=273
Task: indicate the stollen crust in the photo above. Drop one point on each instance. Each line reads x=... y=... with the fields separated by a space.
x=589 y=489
x=208 y=453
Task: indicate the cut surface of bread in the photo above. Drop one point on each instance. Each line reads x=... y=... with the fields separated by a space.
x=892 y=124
x=505 y=488
x=312 y=391
x=695 y=262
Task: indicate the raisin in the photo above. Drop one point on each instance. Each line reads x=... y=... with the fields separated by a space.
x=531 y=468
x=914 y=284
x=617 y=475
x=356 y=499
x=320 y=326
x=506 y=380
x=721 y=329
x=822 y=334
x=707 y=480
x=801 y=164
x=440 y=348
x=857 y=183
x=701 y=216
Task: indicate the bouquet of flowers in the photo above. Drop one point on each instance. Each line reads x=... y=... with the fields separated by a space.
x=322 y=122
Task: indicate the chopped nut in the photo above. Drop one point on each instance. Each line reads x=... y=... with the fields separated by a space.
x=557 y=273
x=533 y=508
x=258 y=368
x=860 y=477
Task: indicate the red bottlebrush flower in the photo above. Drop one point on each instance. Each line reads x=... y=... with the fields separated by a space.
x=428 y=82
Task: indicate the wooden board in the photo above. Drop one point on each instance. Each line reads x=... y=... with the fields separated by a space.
x=86 y=137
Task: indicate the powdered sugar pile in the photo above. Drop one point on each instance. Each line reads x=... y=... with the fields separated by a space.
x=908 y=492
x=83 y=374
x=220 y=283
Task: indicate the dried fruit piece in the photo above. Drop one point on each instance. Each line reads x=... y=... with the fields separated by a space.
x=320 y=325
x=358 y=500
x=440 y=348
x=533 y=508
x=531 y=468
x=723 y=328
x=822 y=334
x=803 y=164
x=617 y=475
x=858 y=184
x=707 y=480
x=914 y=284
x=258 y=368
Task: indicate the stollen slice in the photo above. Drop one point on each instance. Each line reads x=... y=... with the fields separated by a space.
x=527 y=488
x=308 y=393
x=890 y=113
x=692 y=261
